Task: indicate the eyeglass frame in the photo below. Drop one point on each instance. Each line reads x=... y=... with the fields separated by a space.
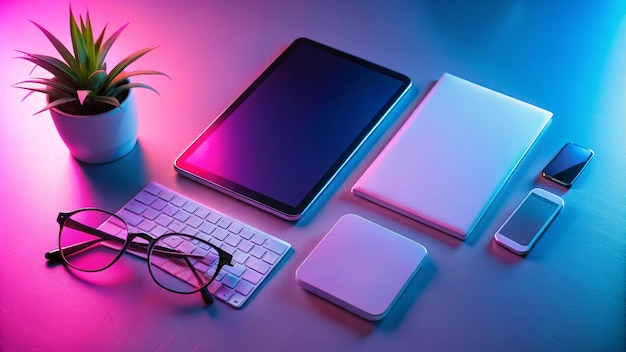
x=57 y=255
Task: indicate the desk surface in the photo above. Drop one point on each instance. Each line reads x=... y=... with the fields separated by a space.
x=567 y=294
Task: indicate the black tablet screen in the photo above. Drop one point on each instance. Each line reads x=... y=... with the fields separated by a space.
x=288 y=134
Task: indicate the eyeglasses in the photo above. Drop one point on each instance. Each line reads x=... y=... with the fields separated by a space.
x=92 y=240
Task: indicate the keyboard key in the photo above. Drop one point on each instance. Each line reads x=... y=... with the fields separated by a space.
x=232 y=240
x=252 y=276
x=237 y=300
x=130 y=217
x=230 y=281
x=235 y=228
x=173 y=241
x=275 y=246
x=207 y=228
x=219 y=234
x=113 y=228
x=163 y=220
x=258 y=252
x=237 y=269
x=240 y=257
x=153 y=189
x=176 y=226
x=214 y=287
x=213 y=218
x=245 y=246
x=137 y=207
x=186 y=247
x=224 y=293
x=186 y=275
x=194 y=221
x=159 y=260
x=244 y=287
x=191 y=231
x=203 y=236
x=190 y=207
x=178 y=201
x=171 y=267
x=258 y=239
x=170 y=210
x=201 y=266
x=246 y=234
x=227 y=248
x=202 y=213
x=159 y=204
x=150 y=214
x=224 y=223
x=158 y=231
x=166 y=195
x=146 y=225
x=182 y=215
x=258 y=265
x=214 y=241
x=270 y=257
x=145 y=198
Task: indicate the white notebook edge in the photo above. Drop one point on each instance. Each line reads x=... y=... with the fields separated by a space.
x=379 y=200
x=356 y=190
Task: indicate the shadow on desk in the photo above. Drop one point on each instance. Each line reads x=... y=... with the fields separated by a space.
x=409 y=297
x=394 y=318
x=115 y=181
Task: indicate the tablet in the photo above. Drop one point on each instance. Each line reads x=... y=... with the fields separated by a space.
x=283 y=140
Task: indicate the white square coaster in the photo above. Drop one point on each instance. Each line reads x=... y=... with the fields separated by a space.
x=361 y=266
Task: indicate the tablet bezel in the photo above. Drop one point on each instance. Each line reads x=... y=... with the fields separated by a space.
x=262 y=201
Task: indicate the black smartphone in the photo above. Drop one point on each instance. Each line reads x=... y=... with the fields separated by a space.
x=567 y=164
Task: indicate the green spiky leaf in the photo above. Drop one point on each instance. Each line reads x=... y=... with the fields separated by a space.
x=56 y=103
x=107 y=100
x=65 y=53
x=79 y=45
x=58 y=68
x=126 y=75
x=97 y=81
x=109 y=43
x=48 y=82
x=126 y=62
x=128 y=86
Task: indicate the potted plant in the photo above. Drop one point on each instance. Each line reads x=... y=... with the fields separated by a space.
x=93 y=108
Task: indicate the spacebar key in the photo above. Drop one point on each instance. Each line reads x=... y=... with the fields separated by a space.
x=258 y=265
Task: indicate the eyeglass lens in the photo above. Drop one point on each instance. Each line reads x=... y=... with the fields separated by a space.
x=91 y=240
x=189 y=265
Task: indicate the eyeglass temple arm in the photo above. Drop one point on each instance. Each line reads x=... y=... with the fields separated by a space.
x=73 y=224
x=206 y=295
x=225 y=259
x=55 y=254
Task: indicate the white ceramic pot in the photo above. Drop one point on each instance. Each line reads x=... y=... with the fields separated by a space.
x=101 y=138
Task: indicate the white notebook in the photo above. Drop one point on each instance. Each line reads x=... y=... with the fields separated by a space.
x=449 y=160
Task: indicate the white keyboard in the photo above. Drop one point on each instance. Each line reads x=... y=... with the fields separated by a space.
x=157 y=210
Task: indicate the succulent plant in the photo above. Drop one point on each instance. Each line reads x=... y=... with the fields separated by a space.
x=81 y=84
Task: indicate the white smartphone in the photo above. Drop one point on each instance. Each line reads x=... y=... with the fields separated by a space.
x=522 y=229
